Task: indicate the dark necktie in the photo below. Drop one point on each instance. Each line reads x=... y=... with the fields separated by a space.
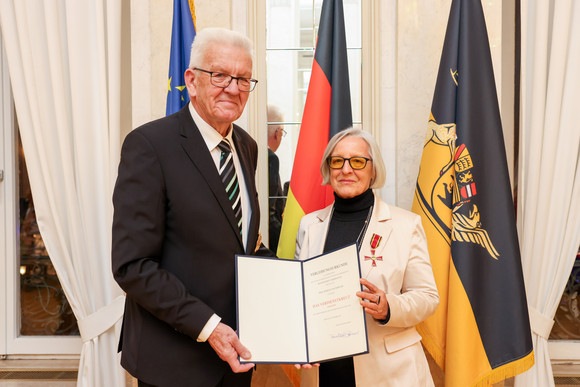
x=230 y=180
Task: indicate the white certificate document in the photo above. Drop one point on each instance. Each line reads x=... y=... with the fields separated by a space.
x=300 y=311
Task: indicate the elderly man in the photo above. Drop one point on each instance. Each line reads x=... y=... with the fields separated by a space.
x=185 y=203
x=276 y=201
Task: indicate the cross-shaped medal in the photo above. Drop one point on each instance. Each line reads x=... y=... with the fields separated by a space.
x=375 y=240
x=375 y=259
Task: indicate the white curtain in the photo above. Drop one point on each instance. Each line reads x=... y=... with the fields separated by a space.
x=64 y=59
x=549 y=177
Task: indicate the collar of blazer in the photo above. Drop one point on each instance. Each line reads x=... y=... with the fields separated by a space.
x=380 y=224
x=194 y=145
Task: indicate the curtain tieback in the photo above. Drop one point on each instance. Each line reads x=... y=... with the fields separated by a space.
x=541 y=324
x=102 y=320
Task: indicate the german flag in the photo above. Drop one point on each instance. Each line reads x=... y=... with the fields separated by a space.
x=327 y=111
x=182 y=35
x=480 y=333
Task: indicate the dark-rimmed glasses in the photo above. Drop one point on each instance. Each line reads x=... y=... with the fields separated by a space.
x=337 y=162
x=223 y=80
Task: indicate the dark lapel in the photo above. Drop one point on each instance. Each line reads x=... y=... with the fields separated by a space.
x=248 y=163
x=195 y=147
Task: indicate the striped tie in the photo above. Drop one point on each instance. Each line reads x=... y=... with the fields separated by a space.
x=230 y=180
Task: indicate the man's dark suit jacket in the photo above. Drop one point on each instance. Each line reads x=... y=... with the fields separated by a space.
x=275 y=202
x=174 y=242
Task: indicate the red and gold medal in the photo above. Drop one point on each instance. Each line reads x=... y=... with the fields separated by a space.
x=375 y=241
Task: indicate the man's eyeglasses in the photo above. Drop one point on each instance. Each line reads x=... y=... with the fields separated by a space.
x=283 y=132
x=337 y=162
x=223 y=80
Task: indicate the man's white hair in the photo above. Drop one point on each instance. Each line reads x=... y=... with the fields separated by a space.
x=215 y=36
x=274 y=115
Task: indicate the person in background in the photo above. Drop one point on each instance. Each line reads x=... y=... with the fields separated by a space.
x=185 y=203
x=276 y=200
x=399 y=288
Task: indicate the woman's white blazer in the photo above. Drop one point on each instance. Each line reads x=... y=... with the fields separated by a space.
x=403 y=270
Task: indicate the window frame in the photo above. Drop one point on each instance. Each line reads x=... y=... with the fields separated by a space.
x=255 y=25
x=12 y=344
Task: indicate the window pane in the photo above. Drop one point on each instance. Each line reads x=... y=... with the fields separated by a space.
x=286 y=152
x=353 y=23
x=292 y=24
x=567 y=318
x=44 y=310
x=289 y=75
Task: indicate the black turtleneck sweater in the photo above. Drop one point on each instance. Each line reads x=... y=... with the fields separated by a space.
x=348 y=219
x=346 y=224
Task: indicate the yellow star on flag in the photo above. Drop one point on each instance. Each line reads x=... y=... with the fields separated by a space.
x=180 y=88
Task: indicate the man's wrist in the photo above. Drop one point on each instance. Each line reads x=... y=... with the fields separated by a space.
x=209 y=327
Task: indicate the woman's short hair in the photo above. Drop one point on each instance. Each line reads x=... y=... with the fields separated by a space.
x=380 y=172
x=210 y=36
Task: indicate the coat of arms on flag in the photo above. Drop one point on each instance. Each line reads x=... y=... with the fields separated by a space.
x=452 y=189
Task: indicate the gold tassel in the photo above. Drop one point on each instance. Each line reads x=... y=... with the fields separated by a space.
x=506 y=371
x=430 y=345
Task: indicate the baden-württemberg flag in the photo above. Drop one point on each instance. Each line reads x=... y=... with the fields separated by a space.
x=182 y=35
x=480 y=333
x=327 y=111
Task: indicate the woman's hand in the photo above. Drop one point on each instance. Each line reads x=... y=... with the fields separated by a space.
x=306 y=366
x=373 y=300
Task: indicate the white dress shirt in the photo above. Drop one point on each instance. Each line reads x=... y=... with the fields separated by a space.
x=212 y=138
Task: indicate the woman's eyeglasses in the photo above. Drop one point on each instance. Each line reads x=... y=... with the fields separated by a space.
x=337 y=162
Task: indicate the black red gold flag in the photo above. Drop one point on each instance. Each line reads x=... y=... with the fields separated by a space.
x=326 y=112
x=480 y=333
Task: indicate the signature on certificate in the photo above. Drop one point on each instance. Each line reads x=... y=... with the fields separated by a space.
x=343 y=334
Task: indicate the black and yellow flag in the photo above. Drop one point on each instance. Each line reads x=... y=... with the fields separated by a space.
x=480 y=333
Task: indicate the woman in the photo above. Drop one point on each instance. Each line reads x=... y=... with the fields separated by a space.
x=399 y=288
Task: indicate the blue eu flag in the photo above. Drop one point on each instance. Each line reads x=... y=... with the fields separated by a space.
x=182 y=35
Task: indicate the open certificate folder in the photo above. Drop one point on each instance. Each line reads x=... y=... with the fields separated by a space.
x=300 y=311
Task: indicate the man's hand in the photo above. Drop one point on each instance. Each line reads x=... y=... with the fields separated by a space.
x=227 y=345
